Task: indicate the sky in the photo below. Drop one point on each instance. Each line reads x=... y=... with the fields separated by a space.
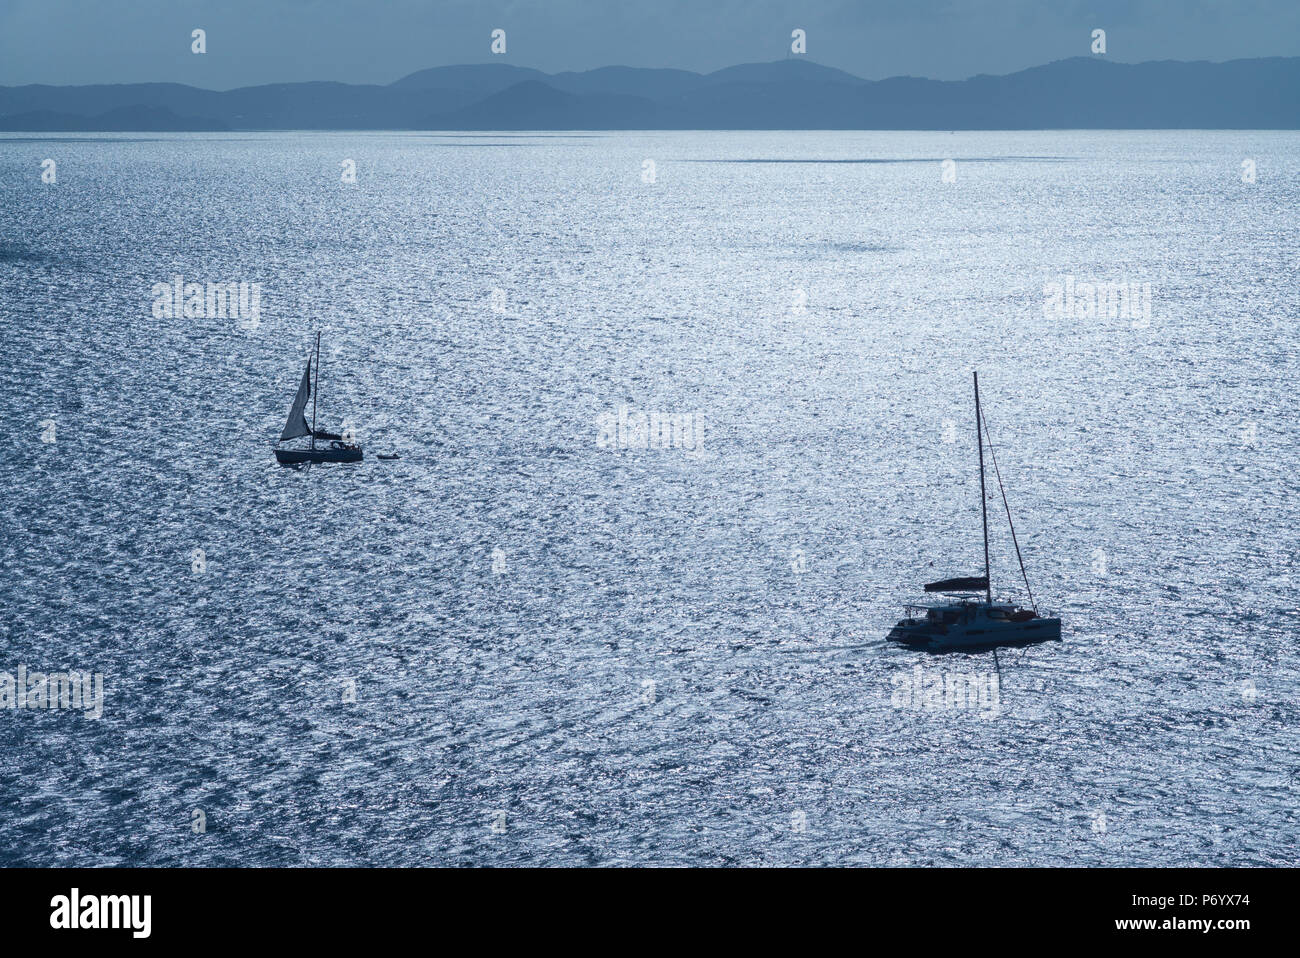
x=378 y=41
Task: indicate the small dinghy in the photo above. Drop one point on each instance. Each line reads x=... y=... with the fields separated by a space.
x=338 y=450
x=965 y=621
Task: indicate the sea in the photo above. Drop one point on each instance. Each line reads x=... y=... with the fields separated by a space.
x=683 y=422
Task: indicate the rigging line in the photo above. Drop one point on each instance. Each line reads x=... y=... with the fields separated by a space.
x=994 y=456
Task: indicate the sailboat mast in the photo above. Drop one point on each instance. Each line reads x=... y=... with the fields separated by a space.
x=316 y=390
x=984 y=504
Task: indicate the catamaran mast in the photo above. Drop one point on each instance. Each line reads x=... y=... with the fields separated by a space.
x=984 y=504
x=316 y=389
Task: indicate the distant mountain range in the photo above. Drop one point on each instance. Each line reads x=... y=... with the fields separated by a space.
x=1079 y=93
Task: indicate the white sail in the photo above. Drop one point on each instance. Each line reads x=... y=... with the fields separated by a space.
x=297 y=424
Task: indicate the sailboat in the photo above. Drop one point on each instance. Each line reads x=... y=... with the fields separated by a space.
x=338 y=450
x=966 y=620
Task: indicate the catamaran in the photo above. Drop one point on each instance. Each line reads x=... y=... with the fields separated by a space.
x=964 y=620
x=338 y=450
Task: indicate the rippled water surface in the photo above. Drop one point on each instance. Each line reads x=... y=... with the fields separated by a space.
x=649 y=677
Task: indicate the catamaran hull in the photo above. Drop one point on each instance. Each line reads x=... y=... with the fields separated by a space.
x=301 y=457
x=987 y=636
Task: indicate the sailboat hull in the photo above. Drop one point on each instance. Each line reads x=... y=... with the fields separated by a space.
x=301 y=457
x=919 y=633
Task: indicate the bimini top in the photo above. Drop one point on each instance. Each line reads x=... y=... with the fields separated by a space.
x=966 y=583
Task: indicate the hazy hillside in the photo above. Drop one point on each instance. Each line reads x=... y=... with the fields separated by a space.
x=787 y=94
